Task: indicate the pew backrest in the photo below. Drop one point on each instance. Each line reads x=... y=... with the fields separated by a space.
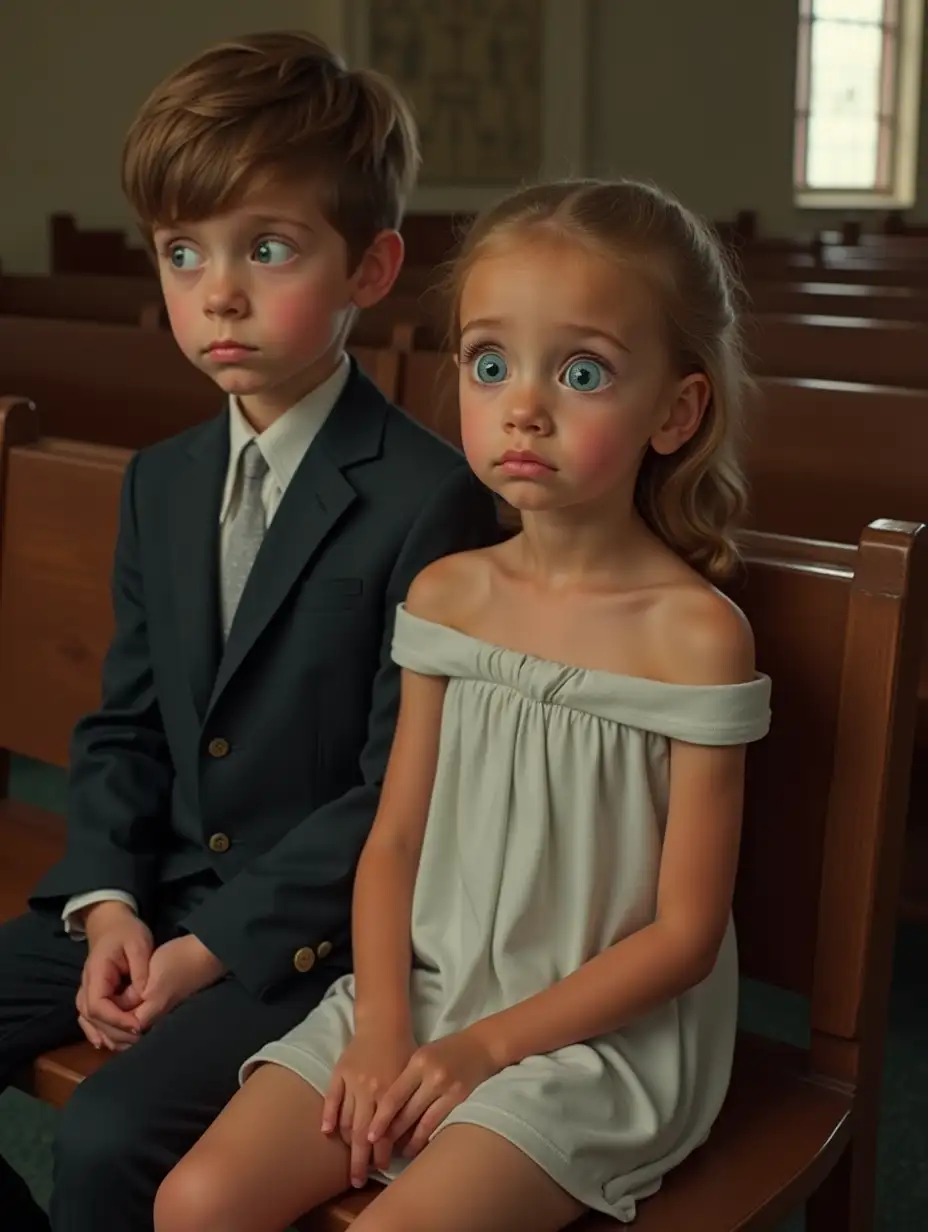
x=825 y=458
x=840 y=299
x=835 y=348
x=838 y=628
x=59 y=513
x=84 y=297
x=122 y=385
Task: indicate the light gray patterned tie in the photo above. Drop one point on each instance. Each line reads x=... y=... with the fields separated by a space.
x=246 y=531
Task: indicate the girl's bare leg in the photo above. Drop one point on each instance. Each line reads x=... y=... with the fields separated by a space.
x=470 y=1180
x=262 y=1163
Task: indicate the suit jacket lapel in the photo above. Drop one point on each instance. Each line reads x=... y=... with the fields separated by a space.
x=316 y=499
x=195 y=542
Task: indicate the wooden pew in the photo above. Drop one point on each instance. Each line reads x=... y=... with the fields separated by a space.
x=836 y=627
x=797 y=267
x=118 y=384
x=824 y=458
x=84 y=297
x=840 y=299
x=839 y=349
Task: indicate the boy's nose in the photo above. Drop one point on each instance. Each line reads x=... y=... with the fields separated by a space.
x=224 y=297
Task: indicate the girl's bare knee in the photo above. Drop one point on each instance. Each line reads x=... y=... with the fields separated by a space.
x=197 y=1196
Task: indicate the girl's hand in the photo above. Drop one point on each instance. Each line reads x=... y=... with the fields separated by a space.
x=438 y=1077
x=362 y=1076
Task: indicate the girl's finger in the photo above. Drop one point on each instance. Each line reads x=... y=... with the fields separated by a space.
x=360 y=1147
x=429 y=1122
x=382 y=1153
x=409 y=1115
x=393 y=1099
x=346 y=1119
x=333 y=1103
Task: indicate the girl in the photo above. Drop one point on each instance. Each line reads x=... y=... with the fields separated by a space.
x=543 y=1010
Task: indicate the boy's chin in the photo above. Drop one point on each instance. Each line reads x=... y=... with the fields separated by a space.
x=237 y=381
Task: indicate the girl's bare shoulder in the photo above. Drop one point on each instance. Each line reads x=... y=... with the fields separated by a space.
x=447 y=589
x=701 y=636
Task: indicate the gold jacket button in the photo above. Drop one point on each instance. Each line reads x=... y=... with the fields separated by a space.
x=304 y=959
x=218 y=747
x=323 y=949
x=219 y=842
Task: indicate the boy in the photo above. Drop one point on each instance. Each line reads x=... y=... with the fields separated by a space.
x=221 y=794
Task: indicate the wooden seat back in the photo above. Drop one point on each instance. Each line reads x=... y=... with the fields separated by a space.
x=112 y=384
x=839 y=349
x=121 y=385
x=84 y=297
x=839 y=630
x=840 y=299
x=429 y=392
x=825 y=458
x=59 y=509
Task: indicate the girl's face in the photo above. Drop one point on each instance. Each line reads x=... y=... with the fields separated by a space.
x=565 y=376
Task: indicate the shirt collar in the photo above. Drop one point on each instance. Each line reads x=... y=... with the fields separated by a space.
x=285 y=442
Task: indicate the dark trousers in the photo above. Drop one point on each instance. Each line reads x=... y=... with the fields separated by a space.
x=125 y=1127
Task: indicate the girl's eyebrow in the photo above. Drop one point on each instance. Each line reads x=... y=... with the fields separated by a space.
x=567 y=327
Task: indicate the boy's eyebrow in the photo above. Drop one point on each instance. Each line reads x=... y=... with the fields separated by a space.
x=585 y=331
x=269 y=220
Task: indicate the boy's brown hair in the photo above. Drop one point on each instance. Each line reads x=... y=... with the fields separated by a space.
x=267 y=108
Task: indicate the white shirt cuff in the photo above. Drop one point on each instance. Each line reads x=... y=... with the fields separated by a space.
x=73 y=927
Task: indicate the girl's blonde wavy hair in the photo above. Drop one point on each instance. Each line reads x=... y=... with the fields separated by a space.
x=695 y=498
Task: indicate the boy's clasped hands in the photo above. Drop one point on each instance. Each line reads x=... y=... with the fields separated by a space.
x=128 y=982
x=388 y=1094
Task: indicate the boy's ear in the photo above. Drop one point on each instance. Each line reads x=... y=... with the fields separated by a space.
x=378 y=269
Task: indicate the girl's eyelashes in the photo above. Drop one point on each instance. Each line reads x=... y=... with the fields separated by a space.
x=586 y=374
x=579 y=373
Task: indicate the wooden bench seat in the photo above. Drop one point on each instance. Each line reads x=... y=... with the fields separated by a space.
x=776 y=1118
x=836 y=626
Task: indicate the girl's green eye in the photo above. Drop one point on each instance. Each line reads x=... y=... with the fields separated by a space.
x=490 y=368
x=585 y=375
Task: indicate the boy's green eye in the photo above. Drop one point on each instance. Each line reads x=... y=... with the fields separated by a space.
x=182 y=257
x=273 y=252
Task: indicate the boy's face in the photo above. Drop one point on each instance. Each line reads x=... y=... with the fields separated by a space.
x=260 y=297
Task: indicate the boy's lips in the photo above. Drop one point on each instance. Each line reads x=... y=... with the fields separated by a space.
x=229 y=349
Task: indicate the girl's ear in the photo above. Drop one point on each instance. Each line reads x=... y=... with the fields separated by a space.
x=690 y=400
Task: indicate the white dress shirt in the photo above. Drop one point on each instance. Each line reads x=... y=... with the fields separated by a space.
x=283 y=446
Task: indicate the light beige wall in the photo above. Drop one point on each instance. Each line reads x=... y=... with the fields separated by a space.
x=71 y=79
x=698 y=96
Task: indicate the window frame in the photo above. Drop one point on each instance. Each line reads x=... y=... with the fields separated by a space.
x=900 y=99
